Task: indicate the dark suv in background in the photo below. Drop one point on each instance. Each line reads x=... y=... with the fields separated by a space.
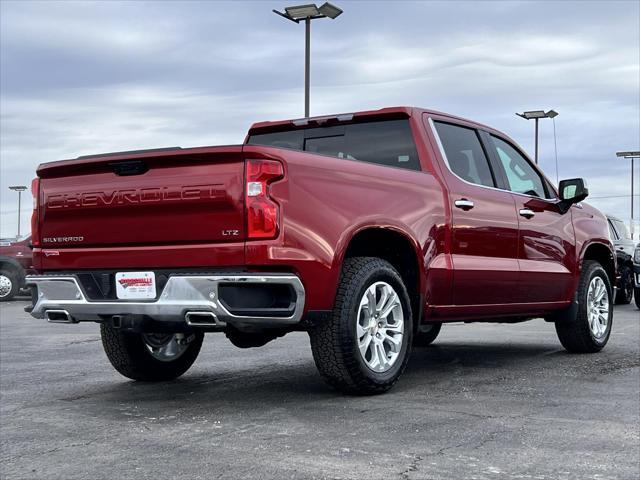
x=624 y=246
x=636 y=274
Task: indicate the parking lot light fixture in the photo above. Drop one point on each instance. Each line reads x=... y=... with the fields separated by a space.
x=307 y=13
x=19 y=189
x=537 y=115
x=632 y=156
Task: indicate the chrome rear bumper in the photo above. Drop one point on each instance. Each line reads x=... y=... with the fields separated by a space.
x=192 y=299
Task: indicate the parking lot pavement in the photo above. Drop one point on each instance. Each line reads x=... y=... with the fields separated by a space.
x=485 y=401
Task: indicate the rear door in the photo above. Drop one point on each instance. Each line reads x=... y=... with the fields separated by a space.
x=546 y=243
x=484 y=223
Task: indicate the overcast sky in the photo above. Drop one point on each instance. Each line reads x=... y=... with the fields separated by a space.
x=81 y=78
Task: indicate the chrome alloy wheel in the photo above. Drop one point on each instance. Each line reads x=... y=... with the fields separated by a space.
x=5 y=286
x=165 y=347
x=380 y=327
x=598 y=307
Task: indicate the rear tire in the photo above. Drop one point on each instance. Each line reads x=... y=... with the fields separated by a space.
x=425 y=338
x=364 y=346
x=586 y=329
x=625 y=293
x=636 y=295
x=8 y=285
x=138 y=356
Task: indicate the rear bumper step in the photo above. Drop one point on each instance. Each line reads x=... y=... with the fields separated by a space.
x=192 y=299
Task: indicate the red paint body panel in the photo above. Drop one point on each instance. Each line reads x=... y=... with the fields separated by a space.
x=19 y=252
x=475 y=264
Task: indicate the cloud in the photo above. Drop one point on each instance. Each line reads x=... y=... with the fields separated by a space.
x=86 y=77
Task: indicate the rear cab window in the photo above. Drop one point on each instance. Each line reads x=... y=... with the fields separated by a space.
x=386 y=142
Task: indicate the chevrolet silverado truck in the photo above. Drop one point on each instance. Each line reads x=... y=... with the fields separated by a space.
x=367 y=230
x=16 y=262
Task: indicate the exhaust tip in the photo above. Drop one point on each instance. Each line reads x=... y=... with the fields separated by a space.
x=203 y=319
x=58 y=316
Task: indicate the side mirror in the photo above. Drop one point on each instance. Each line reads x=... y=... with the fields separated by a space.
x=572 y=191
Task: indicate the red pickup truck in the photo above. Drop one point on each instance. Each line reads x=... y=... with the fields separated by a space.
x=367 y=230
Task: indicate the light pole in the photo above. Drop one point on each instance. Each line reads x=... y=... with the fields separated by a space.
x=537 y=115
x=19 y=189
x=307 y=13
x=632 y=156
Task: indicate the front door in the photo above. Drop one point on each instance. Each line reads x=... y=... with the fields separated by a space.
x=546 y=252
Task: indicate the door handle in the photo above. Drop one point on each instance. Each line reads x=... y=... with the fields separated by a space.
x=464 y=204
x=527 y=213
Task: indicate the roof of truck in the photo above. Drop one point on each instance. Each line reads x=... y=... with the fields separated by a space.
x=387 y=112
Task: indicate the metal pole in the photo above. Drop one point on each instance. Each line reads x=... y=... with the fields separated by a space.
x=307 y=64
x=633 y=226
x=19 y=198
x=536 y=141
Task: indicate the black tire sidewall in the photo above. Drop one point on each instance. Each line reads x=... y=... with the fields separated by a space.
x=625 y=288
x=597 y=271
x=130 y=356
x=423 y=339
x=390 y=276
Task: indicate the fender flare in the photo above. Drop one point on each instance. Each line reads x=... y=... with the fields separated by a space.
x=398 y=228
x=603 y=243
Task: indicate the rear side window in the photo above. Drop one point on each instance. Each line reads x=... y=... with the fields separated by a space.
x=464 y=153
x=612 y=231
x=622 y=230
x=387 y=143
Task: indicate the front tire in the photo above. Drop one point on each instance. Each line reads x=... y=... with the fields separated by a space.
x=588 y=327
x=364 y=346
x=636 y=296
x=625 y=293
x=150 y=357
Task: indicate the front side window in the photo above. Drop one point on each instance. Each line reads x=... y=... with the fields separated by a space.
x=464 y=153
x=388 y=142
x=522 y=177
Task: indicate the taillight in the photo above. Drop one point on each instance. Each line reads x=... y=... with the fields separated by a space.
x=35 y=224
x=262 y=212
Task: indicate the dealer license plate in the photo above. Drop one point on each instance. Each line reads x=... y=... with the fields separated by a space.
x=135 y=285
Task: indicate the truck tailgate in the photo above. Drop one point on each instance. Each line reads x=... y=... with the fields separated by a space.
x=170 y=197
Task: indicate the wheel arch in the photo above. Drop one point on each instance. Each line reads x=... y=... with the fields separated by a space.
x=400 y=249
x=604 y=255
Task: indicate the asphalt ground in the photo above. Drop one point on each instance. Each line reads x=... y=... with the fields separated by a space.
x=486 y=401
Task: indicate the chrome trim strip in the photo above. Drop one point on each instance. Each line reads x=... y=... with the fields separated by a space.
x=182 y=294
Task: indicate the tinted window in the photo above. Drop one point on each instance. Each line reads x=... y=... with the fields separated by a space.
x=293 y=139
x=621 y=228
x=612 y=232
x=465 y=155
x=384 y=143
x=522 y=177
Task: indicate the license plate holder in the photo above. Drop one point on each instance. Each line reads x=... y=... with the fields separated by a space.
x=135 y=285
